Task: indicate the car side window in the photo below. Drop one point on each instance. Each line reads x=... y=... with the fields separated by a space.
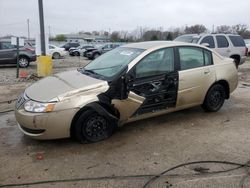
x=7 y=45
x=208 y=57
x=191 y=57
x=51 y=47
x=156 y=63
x=209 y=40
x=222 y=41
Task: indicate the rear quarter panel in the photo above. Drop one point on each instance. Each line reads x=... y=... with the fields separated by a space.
x=226 y=70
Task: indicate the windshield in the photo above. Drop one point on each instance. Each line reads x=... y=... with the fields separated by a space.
x=112 y=62
x=188 y=38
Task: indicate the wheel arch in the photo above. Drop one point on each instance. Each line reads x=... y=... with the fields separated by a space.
x=25 y=56
x=225 y=85
x=103 y=109
x=235 y=56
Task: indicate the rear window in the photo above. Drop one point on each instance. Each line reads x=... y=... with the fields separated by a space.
x=237 y=41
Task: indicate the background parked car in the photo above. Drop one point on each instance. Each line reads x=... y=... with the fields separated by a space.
x=91 y=49
x=101 y=50
x=8 y=54
x=56 y=52
x=68 y=45
x=228 y=45
x=247 y=41
x=79 y=50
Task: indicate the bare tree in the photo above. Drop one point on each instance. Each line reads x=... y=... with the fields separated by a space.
x=96 y=33
x=195 y=29
x=115 y=37
x=224 y=29
x=240 y=28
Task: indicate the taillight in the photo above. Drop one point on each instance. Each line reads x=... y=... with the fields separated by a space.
x=30 y=49
x=246 y=51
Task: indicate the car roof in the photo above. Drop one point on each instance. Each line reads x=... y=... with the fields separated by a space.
x=154 y=44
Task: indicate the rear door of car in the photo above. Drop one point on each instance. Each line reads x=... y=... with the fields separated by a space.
x=156 y=80
x=7 y=52
x=222 y=45
x=196 y=75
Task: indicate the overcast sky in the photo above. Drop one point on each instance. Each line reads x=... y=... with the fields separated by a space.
x=68 y=16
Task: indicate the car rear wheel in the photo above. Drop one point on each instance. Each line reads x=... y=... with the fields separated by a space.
x=23 y=62
x=92 y=127
x=214 y=99
x=56 y=55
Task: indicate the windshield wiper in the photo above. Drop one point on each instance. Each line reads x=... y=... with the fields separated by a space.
x=107 y=67
x=90 y=71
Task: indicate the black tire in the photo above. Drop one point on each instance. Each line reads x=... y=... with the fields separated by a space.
x=56 y=55
x=76 y=53
x=214 y=99
x=23 y=62
x=92 y=127
x=237 y=63
x=96 y=55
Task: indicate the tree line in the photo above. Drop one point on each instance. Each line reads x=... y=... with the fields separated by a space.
x=148 y=34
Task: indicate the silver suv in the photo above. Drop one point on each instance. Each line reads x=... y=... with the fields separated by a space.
x=228 y=45
x=8 y=54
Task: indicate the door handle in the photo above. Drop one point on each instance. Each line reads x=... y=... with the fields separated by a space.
x=206 y=71
x=156 y=83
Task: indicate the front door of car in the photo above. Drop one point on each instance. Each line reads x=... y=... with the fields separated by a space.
x=155 y=79
x=7 y=52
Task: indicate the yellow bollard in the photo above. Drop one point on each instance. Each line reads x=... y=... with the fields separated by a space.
x=44 y=66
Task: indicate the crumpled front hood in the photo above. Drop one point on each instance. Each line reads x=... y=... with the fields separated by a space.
x=60 y=84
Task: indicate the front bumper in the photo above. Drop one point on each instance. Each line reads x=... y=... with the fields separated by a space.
x=45 y=126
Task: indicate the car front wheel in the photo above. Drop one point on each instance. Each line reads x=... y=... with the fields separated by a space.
x=214 y=99
x=92 y=127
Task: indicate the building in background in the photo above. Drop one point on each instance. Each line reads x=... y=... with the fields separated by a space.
x=82 y=38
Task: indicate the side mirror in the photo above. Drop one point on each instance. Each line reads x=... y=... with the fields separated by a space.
x=205 y=44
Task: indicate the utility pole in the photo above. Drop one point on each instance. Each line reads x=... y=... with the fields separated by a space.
x=28 y=22
x=17 y=58
x=49 y=32
x=44 y=63
x=42 y=34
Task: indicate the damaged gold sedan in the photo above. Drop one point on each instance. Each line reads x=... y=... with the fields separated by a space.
x=132 y=82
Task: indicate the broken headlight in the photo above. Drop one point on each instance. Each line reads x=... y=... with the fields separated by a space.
x=32 y=106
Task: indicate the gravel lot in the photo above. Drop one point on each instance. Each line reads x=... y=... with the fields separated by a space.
x=8 y=73
x=141 y=148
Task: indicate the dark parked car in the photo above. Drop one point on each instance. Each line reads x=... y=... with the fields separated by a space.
x=69 y=45
x=89 y=50
x=101 y=50
x=79 y=50
x=8 y=54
